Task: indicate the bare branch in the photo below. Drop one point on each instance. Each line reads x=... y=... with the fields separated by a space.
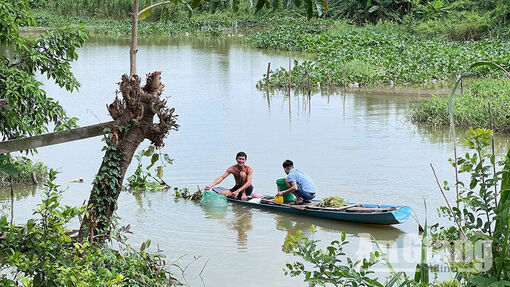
x=153 y=6
x=134 y=35
x=447 y=202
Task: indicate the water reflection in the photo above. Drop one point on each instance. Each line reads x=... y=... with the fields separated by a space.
x=290 y=224
x=242 y=223
x=215 y=212
x=20 y=192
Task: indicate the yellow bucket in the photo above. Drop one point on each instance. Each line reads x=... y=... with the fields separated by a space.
x=278 y=199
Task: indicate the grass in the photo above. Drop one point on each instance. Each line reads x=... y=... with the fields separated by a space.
x=470 y=109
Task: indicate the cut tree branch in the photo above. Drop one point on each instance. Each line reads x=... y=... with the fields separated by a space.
x=153 y=6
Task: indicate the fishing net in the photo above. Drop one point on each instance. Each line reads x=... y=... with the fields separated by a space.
x=211 y=198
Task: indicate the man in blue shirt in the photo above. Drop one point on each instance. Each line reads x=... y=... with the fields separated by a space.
x=299 y=183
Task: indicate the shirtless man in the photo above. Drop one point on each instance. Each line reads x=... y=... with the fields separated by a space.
x=242 y=174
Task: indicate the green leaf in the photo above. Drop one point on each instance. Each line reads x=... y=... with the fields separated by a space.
x=505 y=179
x=373 y=9
x=149 y=151
x=154 y=159
x=235 y=5
x=159 y=170
x=145 y=14
x=259 y=5
x=195 y=3
x=309 y=8
x=7 y=167
x=167 y=158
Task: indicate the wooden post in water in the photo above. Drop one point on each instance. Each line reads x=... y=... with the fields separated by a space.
x=329 y=78
x=290 y=74
x=267 y=74
x=309 y=81
x=12 y=200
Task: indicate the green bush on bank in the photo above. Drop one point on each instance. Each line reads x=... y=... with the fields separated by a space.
x=470 y=109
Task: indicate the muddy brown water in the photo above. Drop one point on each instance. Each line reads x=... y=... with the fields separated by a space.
x=357 y=144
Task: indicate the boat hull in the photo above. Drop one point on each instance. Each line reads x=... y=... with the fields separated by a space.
x=399 y=215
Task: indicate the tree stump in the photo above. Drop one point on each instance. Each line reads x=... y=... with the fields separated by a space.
x=134 y=122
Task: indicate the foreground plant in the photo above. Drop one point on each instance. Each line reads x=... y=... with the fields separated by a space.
x=479 y=234
x=482 y=209
x=329 y=266
x=42 y=252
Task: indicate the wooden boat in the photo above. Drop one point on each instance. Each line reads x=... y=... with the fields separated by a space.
x=362 y=213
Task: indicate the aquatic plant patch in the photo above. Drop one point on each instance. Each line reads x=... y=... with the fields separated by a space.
x=370 y=56
x=470 y=109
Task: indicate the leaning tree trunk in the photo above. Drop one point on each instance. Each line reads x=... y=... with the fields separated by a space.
x=133 y=116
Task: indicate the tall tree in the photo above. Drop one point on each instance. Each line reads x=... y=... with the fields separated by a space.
x=25 y=109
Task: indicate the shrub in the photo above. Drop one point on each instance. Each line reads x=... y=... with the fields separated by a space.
x=42 y=252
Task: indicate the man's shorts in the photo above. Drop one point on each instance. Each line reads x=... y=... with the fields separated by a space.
x=247 y=191
x=305 y=195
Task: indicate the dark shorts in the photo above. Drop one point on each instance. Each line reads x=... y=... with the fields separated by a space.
x=247 y=191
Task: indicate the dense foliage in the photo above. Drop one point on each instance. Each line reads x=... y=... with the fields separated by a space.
x=118 y=9
x=29 y=109
x=452 y=19
x=373 y=55
x=42 y=253
x=470 y=108
x=27 y=171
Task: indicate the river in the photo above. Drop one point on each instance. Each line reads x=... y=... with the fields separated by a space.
x=357 y=144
